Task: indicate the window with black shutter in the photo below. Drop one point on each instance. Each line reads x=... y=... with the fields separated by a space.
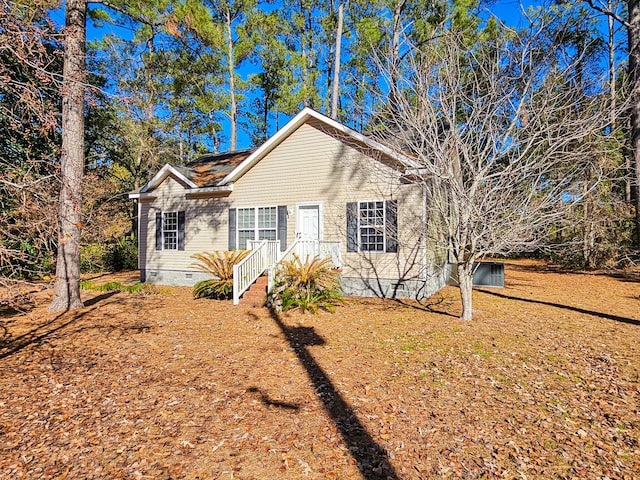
x=170 y=230
x=257 y=223
x=372 y=226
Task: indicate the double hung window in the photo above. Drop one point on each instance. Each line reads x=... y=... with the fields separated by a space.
x=170 y=230
x=371 y=223
x=372 y=226
x=257 y=223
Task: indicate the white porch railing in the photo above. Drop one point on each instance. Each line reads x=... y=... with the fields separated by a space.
x=273 y=249
x=263 y=253
x=321 y=249
x=271 y=270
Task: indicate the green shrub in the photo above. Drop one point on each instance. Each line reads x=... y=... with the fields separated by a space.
x=115 y=256
x=121 y=255
x=310 y=285
x=219 y=265
x=215 y=289
x=92 y=258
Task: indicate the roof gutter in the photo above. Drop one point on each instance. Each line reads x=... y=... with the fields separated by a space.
x=143 y=196
x=210 y=191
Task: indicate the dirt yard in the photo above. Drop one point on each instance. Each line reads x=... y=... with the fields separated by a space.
x=543 y=383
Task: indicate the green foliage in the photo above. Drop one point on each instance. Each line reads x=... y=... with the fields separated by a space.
x=291 y=298
x=92 y=258
x=215 y=289
x=122 y=255
x=119 y=255
x=219 y=264
x=116 y=286
x=310 y=285
x=25 y=259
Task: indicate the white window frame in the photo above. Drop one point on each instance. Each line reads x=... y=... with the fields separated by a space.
x=173 y=231
x=362 y=226
x=256 y=223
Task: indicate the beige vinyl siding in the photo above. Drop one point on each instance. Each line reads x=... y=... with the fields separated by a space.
x=204 y=219
x=312 y=165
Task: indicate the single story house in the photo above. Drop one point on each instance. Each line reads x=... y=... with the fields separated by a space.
x=315 y=180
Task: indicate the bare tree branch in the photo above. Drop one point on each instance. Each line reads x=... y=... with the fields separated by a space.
x=608 y=12
x=501 y=133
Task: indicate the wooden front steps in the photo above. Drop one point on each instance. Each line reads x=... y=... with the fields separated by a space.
x=256 y=296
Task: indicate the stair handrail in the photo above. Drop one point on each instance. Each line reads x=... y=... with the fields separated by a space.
x=249 y=269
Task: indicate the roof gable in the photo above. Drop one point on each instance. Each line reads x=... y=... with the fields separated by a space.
x=205 y=172
x=216 y=172
x=304 y=116
x=164 y=172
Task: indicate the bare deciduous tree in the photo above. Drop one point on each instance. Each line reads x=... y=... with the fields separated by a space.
x=29 y=75
x=501 y=135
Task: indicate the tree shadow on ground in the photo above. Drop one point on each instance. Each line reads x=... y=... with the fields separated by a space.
x=372 y=459
x=436 y=305
x=608 y=316
x=55 y=326
x=622 y=275
x=268 y=401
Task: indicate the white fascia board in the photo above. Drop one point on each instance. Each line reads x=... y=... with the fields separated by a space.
x=219 y=189
x=292 y=125
x=164 y=172
x=418 y=172
x=142 y=195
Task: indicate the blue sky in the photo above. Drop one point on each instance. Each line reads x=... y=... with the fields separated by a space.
x=509 y=11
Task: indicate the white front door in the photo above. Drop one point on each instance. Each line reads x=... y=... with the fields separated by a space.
x=309 y=222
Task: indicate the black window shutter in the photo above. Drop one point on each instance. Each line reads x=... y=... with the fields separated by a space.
x=352 y=227
x=158 y=230
x=282 y=227
x=181 y=218
x=391 y=207
x=232 y=228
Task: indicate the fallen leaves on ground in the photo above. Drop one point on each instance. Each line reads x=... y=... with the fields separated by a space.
x=543 y=383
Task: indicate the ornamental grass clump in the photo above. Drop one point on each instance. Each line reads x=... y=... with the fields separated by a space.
x=219 y=265
x=309 y=285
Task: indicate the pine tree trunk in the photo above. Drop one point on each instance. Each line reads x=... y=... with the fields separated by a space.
x=232 y=84
x=395 y=54
x=465 y=281
x=336 y=66
x=634 y=82
x=67 y=286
